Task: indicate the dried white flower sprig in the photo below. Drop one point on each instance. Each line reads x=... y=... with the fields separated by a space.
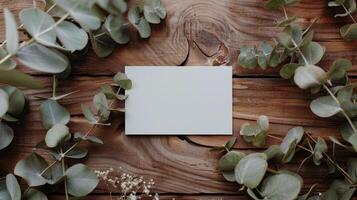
x=132 y=187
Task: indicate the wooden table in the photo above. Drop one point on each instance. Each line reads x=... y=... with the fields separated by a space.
x=196 y=32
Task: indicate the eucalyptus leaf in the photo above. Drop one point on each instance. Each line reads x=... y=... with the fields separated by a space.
x=90 y=138
x=77 y=153
x=154 y=12
x=12 y=37
x=290 y=141
x=102 y=43
x=43 y=59
x=338 y=69
x=251 y=170
x=71 y=37
x=340 y=190
x=288 y=70
x=87 y=112
x=117 y=29
x=320 y=148
x=80 y=180
x=349 y=135
x=33 y=194
x=312 y=52
x=30 y=169
x=85 y=16
x=352 y=168
x=281 y=186
x=123 y=81
x=247 y=58
x=139 y=22
x=229 y=176
x=40 y=25
x=20 y=79
x=4 y=193
x=230 y=160
x=325 y=106
x=274 y=4
x=17 y=101
x=349 y=32
x=13 y=187
x=274 y=151
x=309 y=76
x=4 y=102
x=6 y=135
x=53 y=113
x=350 y=5
x=230 y=143
x=56 y=134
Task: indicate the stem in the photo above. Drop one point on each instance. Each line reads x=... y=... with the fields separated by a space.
x=285 y=13
x=299 y=50
x=48 y=167
x=301 y=147
x=63 y=173
x=342 y=110
x=4 y=59
x=331 y=161
x=349 y=13
x=54 y=84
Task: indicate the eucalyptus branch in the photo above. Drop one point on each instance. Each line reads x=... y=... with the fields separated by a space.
x=349 y=13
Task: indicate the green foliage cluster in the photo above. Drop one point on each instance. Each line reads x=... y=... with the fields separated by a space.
x=261 y=182
x=299 y=56
x=62 y=145
x=63 y=30
x=55 y=37
x=348 y=7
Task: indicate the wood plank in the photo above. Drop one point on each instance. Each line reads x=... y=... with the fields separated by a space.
x=167 y=197
x=204 y=32
x=176 y=165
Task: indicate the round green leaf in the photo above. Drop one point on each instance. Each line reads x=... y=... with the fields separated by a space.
x=43 y=59
x=247 y=58
x=349 y=32
x=56 y=135
x=263 y=122
x=31 y=168
x=4 y=102
x=71 y=37
x=230 y=160
x=325 y=106
x=349 y=135
x=39 y=24
x=282 y=186
x=17 y=101
x=118 y=31
x=251 y=169
x=13 y=187
x=288 y=145
x=80 y=180
x=288 y=70
x=273 y=151
x=139 y=22
x=154 y=11
x=6 y=135
x=12 y=37
x=122 y=80
x=309 y=76
x=82 y=14
x=4 y=193
x=320 y=148
x=102 y=43
x=53 y=113
x=338 y=69
x=312 y=52
x=229 y=176
x=33 y=194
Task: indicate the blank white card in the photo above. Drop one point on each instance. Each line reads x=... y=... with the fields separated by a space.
x=169 y=100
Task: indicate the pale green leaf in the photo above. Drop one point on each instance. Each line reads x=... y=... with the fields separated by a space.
x=312 y=52
x=308 y=76
x=117 y=29
x=80 y=180
x=42 y=58
x=33 y=194
x=56 y=134
x=13 y=187
x=71 y=37
x=325 y=106
x=251 y=170
x=6 y=135
x=139 y=22
x=12 y=37
x=53 y=113
x=4 y=102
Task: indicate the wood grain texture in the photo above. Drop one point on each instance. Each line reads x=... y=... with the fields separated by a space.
x=177 y=165
x=196 y=32
x=210 y=32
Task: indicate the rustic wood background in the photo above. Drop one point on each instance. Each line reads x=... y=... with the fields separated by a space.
x=196 y=32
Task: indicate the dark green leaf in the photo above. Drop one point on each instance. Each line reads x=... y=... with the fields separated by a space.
x=12 y=37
